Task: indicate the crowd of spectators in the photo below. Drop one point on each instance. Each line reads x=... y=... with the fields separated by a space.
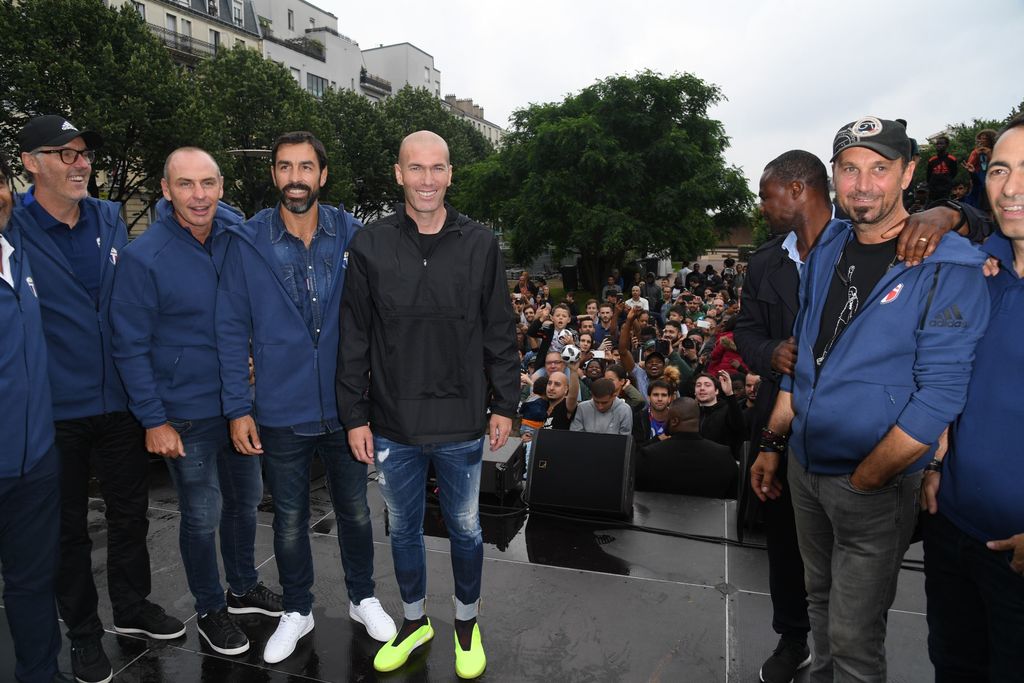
x=654 y=358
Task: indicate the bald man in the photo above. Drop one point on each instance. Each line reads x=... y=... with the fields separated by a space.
x=166 y=352
x=425 y=309
x=687 y=463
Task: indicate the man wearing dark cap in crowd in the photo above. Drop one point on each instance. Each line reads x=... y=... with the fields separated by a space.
x=73 y=241
x=860 y=418
x=29 y=465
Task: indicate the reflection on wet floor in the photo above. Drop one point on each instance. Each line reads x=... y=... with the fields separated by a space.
x=564 y=599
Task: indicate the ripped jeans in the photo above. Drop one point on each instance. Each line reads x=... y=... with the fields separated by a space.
x=403 y=477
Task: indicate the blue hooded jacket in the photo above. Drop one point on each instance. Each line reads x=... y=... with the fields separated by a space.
x=26 y=422
x=294 y=374
x=165 y=344
x=905 y=358
x=83 y=379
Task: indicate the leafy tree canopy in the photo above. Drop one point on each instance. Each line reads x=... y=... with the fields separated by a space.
x=629 y=164
x=103 y=70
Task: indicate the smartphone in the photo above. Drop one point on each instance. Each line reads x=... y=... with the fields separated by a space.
x=703 y=324
x=597 y=354
x=663 y=347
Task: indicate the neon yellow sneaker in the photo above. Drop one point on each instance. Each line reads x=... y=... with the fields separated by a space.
x=470 y=663
x=393 y=655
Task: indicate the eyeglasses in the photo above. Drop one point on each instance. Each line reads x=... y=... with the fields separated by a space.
x=69 y=155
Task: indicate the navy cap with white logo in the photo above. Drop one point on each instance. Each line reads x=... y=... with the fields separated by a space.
x=53 y=131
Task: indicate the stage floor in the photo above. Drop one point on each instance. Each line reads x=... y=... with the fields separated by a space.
x=563 y=601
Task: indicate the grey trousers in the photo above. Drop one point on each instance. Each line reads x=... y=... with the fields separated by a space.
x=852 y=543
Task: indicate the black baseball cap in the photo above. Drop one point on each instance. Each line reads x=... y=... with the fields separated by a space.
x=888 y=138
x=53 y=131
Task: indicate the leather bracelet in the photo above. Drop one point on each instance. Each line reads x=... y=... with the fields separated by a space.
x=934 y=466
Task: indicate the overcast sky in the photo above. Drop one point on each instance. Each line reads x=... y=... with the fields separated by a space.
x=793 y=72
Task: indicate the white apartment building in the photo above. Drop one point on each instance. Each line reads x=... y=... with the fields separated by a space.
x=195 y=29
x=404 y=64
x=474 y=114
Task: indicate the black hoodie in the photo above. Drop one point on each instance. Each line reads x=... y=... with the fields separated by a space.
x=427 y=338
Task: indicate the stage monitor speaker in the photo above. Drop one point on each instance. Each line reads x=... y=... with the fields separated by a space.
x=502 y=470
x=586 y=473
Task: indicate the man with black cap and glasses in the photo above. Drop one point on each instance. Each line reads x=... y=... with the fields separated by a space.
x=73 y=241
x=883 y=358
x=29 y=469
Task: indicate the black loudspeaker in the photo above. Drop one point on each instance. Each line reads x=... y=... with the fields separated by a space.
x=502 y=470
x=586 y=473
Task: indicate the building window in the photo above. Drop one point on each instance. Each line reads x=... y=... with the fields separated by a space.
x=315 y=84
x=212 y=9
x=186 y=28
x=297 y=75
x=239 y=42
x=291 y=20
x=312 y=22
x=172 y=23
x=238 y=17
x=215 y=39
x=426 y=74
x=141 y=9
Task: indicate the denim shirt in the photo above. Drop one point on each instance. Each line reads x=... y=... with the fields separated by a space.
x=308 y=272
x=308 y=275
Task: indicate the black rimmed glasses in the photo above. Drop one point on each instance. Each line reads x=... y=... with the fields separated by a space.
x=70 y=155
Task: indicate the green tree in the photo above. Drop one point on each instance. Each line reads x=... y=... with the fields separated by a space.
x=242 y=101
x=412 y=109
x=629 y=164
x=104 y=70
x=359 y=132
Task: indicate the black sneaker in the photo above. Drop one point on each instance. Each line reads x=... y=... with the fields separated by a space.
x=89 y=661
x=790 y=656
x=222 y=634
x=150 y=620
x=259 y=600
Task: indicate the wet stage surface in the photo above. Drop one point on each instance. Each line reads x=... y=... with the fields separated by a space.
x=564 y=600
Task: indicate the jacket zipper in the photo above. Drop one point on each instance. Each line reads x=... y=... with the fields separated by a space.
x=821 y=368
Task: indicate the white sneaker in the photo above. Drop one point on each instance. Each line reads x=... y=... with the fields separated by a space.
x=370 y=614
x=290 y=629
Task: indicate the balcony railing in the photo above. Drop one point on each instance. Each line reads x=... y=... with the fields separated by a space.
x=183 y=44
x=310 y=48
x=374 y=82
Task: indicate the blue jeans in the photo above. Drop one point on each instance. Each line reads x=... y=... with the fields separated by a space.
x=975 y=607
x=287 y=457
x=29 y=534
x=217 y=487
x=852 y=543
x=403 y=481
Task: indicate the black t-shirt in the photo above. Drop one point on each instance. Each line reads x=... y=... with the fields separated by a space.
x=559 y=417
x=427 y=242
x=860 y=268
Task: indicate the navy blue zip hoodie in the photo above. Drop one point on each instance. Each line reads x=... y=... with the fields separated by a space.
x=165 y=346
x=294 y=375
x=982 y=472
x=83 y=379
x=26 y=422
x=905 y=359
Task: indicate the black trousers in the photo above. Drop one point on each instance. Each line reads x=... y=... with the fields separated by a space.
x=111 y=446
x=785 y=566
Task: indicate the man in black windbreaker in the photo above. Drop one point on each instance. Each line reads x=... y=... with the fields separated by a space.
x=428 y=348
